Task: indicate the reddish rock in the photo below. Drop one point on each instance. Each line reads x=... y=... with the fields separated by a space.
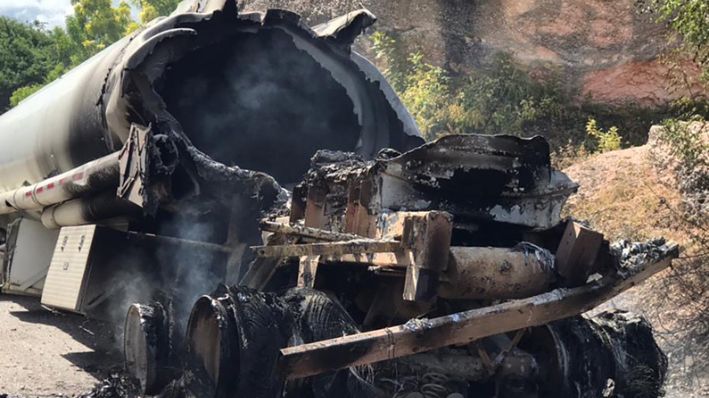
x=644 y=83
x=604 y=48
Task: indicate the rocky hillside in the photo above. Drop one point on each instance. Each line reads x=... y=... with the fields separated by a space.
x=633 y=193
x=603 y=49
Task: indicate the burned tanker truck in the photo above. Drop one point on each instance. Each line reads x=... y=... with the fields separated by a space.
x=251 y=205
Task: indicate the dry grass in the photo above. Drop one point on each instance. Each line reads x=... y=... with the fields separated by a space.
x=624 y=195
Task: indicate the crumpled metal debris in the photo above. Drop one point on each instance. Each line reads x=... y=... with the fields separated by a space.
x=632 y=254
x=117 y=384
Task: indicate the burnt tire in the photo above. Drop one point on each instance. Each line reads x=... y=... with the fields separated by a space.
x=234 y=337
x=316 y=317
x=611 y=353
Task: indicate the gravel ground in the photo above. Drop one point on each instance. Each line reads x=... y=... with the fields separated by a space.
x=46 y=353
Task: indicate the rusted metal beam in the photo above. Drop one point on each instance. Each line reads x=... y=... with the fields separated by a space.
x=307 y=270
x=197 y=245
x=307 y=232
x=577 y=253
x=328 y=249
x=460 y=328
x=428 y=235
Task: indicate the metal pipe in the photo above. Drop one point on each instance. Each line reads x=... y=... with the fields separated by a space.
x=90 y=210
x=497 y=273
x=91 y=177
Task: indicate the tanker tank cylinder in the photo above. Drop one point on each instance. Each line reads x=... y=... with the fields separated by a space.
x=261 y=91
x=147 y=347
x=491 y=273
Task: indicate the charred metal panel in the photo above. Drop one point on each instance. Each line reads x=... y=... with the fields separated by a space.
x=496 y=178
x=478 y=178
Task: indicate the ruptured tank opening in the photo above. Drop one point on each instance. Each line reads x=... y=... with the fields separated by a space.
x=257 y=101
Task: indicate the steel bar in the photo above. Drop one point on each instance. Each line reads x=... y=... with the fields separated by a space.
x=328 y=249
x=308 y=232
x=198 y=245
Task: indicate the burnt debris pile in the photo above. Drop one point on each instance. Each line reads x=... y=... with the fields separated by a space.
x=249 y=151
x=445 y=271
x=117 y=384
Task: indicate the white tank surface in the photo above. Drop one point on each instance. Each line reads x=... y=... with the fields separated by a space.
x=56 y=129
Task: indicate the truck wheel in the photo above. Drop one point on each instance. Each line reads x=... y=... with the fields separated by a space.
x=316 y=317
x=233 y=342
x=147 y=347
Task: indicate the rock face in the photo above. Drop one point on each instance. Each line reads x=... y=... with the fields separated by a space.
x=603 y=48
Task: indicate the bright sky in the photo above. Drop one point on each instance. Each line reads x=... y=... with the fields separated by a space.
x=51 y=12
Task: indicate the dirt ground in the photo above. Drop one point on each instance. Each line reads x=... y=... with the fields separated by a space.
x=49 y=354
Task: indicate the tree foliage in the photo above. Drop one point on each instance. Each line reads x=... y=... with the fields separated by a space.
x=606 y=141
x=27 y=55
x=502 y=97
x=499 y=99
x=96 y=24
x=689 y=19
x=31 y=56
x=151 y=9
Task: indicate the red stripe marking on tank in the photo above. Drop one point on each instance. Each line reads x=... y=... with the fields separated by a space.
x=63 y=181
x=77 y=176
x=28 y=194
x=50 y=186
x=39 y=190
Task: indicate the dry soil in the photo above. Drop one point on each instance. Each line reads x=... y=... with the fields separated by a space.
x=49 y=354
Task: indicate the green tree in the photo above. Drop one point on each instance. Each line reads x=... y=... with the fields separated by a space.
x=96 y=24
x=151 y=9
x=31 y=57
x=27 y=55
x=503 y=99
x=606 y=141
x=689 y=19
x=424 y=88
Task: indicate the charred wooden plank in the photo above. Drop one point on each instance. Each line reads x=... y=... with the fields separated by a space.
x=315 y=207
x=460 y=328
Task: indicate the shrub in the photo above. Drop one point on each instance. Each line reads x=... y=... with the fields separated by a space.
x=605 y=140
x=503 y=98
x=427 y=95
x=22 y=93
x=688 y=143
